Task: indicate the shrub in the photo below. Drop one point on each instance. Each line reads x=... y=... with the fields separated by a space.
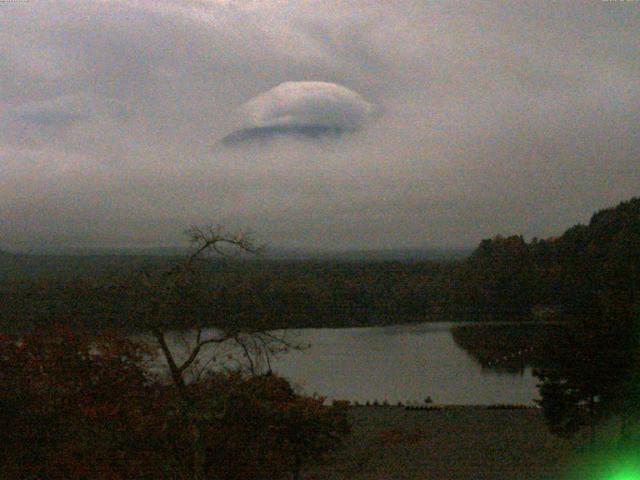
x=74 y=406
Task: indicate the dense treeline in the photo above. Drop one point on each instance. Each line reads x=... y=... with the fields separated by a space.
x=509 y=347
x=283 y=293
x=590 y=270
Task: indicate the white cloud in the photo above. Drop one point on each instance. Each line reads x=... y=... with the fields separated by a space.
x=302 y=104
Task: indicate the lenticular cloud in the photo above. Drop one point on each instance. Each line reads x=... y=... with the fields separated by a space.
x=309 y=109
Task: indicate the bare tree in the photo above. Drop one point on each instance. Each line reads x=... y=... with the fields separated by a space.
x=178 y=296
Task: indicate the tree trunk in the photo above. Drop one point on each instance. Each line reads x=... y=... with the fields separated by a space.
x=624 y=429
x=176 y=374
x=197 y=443
x=592 y=421
x=297 y=469
x=199 y=453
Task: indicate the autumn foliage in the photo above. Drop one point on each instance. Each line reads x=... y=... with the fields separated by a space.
x=80 y=406
x=74 y=408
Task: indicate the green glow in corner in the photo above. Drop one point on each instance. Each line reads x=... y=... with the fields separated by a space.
x=627 y=469
x=608 y=464
x=626 y=474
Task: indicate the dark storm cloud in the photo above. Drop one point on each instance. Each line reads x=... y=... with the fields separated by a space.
x=498 y=117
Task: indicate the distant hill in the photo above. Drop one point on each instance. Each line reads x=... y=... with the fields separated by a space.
x=397 y=254
x=273 y=253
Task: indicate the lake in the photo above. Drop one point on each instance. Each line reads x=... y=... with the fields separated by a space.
x=403 y=363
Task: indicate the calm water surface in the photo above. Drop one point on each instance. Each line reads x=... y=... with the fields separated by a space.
x=398 y=363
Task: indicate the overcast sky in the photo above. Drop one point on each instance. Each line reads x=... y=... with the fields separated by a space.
x=492 y=118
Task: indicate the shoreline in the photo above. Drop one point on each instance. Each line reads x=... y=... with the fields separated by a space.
x=439 y=407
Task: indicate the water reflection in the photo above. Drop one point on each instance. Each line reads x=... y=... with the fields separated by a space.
x=509 y=348
x=397 y=363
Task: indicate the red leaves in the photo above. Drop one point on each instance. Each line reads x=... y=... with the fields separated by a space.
x=71 y=400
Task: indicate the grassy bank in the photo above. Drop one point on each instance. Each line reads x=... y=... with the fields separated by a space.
x=456 y=443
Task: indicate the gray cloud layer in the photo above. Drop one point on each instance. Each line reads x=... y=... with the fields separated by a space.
x=499 y=117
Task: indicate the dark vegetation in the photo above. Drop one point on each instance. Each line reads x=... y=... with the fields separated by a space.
x=589 y=279
x=509 y=347
x=306 y=293
x=75 y=406
x=85 y=406
x=591 y=270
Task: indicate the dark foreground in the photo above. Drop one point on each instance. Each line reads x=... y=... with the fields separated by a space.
x=470 y=443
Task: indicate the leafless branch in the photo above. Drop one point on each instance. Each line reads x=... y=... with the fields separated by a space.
x=247 y=354
x=215 y=237
x=195 y=351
